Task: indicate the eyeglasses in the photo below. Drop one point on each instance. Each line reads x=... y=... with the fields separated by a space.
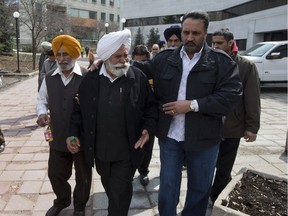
x=154 y=49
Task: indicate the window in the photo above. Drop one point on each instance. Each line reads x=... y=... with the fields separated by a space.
x=241 y=43
x=103 y=2
x=112 y=3
x=74 y=12
x=281 y=50
x=111 y=17
x=94 y=1
x=83 y=14
x=92 y=15
x=103 y=16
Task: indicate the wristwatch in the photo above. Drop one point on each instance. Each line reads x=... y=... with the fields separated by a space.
x=192 y=106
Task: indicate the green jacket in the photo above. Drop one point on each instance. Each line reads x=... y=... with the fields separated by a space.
x=246 y=116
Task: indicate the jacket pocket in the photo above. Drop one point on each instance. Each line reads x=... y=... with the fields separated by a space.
x=210 y=127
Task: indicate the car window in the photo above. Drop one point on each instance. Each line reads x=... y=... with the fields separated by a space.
x=258 y=50
x=282 y=50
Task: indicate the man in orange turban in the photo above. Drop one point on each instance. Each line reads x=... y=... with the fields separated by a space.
x=56 y=94
x=68 y=43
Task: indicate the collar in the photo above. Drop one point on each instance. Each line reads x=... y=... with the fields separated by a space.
x=183 y=52
x=104 y=72
x=76 y=70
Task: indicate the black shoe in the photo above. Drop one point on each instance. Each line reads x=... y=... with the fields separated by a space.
x=2 y=147
x=144 y=180
x=53 y=211
x=79 y=213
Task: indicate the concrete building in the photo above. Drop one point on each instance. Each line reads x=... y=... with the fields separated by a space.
x=250 y=21
x=87 y=20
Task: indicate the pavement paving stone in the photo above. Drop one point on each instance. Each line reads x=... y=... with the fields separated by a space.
x=25 y=188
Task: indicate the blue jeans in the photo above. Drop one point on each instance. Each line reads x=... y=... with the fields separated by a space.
x=200 y=170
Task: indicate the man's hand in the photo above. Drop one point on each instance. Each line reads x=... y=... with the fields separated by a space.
x=95 y=65
x=73 y=145
x=177 y=107
x=42 y=120
x=143 y=139
x=249 y=136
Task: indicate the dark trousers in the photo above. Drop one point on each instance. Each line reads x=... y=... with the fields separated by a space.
x=60 y=170
x=148 y=149
x=116 y=178
x=226 y=158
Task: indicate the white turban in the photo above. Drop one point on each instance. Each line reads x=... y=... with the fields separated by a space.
x=111 y=42
x=46 y=45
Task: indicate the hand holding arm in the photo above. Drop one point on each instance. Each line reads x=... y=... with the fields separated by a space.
x=95 y=65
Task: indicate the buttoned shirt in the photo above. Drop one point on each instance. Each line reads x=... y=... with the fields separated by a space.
x=177 y=126
x=42 y=99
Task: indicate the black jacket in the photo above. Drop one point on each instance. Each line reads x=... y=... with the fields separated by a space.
x=140 y=112
x=214 y=82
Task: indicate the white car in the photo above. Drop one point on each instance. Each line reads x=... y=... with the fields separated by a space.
x=270 y=59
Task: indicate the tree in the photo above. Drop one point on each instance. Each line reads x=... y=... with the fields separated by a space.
x=170 y=20
x=41 y=17
x=153 y=37
x=6 y=42
x=139 y=39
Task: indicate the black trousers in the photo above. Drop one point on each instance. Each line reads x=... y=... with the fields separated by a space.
x=226 y=158
x=117 y=178
x=60 y=170
x=148 y=149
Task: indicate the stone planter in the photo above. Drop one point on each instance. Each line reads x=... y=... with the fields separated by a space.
x=220 y=210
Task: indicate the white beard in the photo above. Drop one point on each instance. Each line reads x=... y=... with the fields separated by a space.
x=66 y=66
x=117 y=72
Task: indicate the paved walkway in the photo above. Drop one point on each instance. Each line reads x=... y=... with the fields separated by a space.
x=25 y=188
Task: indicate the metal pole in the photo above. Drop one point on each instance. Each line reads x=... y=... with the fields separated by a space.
x=17 y=45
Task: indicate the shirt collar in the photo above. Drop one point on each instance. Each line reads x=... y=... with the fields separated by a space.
x=76 y=70
x=183 y=52
x=104 y=72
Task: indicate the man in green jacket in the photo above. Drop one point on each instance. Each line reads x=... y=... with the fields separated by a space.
x=244 y=121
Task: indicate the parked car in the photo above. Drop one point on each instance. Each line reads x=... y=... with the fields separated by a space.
x=270 y=59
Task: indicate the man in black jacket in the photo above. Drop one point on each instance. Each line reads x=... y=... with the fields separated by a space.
x=195 y=86
x=115 y=114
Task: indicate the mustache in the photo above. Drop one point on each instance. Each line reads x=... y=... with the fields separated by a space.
x=190 y=43
x=120 y=65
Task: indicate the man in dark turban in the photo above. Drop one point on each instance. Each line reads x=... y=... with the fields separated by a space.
x=173 y=36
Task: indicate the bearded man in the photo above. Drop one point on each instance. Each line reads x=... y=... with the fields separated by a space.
x=56 y=97
x=114 y=116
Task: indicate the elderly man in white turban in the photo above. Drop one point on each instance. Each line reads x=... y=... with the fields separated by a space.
x=115 y=114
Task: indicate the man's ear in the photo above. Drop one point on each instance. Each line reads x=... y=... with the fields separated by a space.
x=230 y=43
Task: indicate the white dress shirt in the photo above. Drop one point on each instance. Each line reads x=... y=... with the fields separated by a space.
x=177 y=126
x=42 y=99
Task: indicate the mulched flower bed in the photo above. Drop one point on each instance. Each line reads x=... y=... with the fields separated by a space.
x=258 y=196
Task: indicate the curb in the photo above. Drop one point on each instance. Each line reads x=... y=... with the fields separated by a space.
x=8 y=79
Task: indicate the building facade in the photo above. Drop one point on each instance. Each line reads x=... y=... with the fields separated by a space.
x=250 y=21
x=87 y=20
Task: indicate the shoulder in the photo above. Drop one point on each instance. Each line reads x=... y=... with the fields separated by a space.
x=242 y=60
x=135 y=70
x=164 y=55
x=219 y=53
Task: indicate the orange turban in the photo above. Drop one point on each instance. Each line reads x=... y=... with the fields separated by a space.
x=69 y=44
